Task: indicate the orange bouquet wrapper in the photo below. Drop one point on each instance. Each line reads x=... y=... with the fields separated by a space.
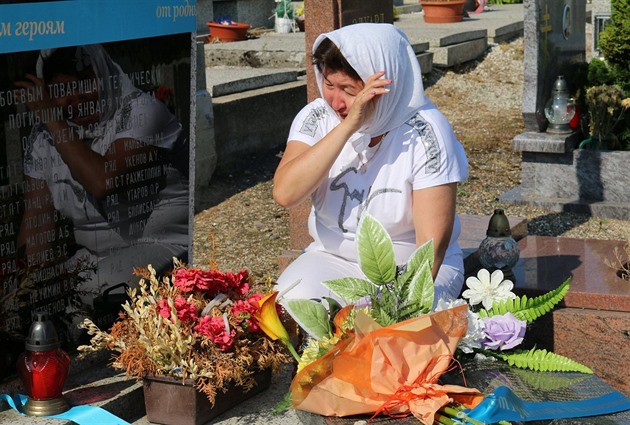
x=392 y=370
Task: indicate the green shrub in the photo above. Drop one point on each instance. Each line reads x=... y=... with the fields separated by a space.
x=615 y=40
x=284 y=9
x=614 y=43
x=605 y=87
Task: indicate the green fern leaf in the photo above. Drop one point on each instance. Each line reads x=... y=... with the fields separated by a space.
x=409 y=311
x=529 y=309
x=540 y=360
x=383 y=317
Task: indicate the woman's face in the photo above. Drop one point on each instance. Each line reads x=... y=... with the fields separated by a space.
x=340 y=92
x=79 y=106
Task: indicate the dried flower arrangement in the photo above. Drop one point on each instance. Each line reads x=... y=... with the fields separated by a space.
x=195 y=324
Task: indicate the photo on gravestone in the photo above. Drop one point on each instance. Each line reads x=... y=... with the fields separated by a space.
x=94 y=167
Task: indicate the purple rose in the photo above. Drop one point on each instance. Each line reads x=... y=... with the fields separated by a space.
x=503 y=332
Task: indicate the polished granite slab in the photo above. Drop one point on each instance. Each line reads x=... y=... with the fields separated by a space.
x=545 y=262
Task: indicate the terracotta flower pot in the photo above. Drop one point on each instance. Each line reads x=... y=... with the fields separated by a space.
x=168 y=401
x=235 y=31
x=442 y=11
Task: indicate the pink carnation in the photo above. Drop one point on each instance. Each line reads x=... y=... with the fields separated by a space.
x=187 y=280
x=214 y=329
x=213 y=282
x=164 y=309
x=186 y=311
x=238 y=282
x=244 y=312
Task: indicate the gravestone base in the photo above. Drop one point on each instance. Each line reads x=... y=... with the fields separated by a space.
x=595 y=338
x=557 y=176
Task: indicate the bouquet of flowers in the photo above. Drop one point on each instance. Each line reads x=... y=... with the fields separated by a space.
x=387 y=349
x=198 y=324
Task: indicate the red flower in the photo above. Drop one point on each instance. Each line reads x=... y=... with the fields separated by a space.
x=238 y=282
x=186 y=311
x=215 y=329
x=212 y=282
x=186 y=279
x=244 y=312
x=164 y=309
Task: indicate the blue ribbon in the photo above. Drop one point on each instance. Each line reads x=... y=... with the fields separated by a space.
x=82 y=415
x=504 y=405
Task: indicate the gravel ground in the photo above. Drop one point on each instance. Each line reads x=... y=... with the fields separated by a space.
x=242 y=227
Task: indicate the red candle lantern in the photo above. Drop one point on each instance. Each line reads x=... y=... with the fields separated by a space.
x=43 y=368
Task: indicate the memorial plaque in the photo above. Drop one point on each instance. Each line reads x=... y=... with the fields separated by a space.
x=95 y=138
x=555 y=42
x=361 y=11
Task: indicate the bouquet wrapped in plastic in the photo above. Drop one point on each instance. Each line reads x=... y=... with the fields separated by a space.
x=393 y=369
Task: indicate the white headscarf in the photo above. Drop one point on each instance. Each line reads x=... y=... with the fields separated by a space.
x=370 y=48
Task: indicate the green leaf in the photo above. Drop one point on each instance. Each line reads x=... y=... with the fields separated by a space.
x=540 y=360
x=422 y=289
x=383 y=317
x=333 y=306
x=529 y=309
x=351 y=289
x=422 y=254
x=283 y=405
x=311 y=315
x=375 y=250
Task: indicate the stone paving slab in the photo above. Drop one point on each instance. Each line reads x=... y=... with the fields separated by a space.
x=274 y=53
x=226 y=80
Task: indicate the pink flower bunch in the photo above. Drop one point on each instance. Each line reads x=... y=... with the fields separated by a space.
x=216 y=329
x=223 y=299
x=211 y=282
x=186 y=311
x=244 y=311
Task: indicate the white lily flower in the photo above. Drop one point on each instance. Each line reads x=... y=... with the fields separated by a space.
x=488 y=288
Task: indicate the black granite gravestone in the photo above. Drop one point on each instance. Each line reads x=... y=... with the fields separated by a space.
x=95 y=118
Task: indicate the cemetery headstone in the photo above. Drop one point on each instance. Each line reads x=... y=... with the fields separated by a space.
x=554 y=34
x=95 y=138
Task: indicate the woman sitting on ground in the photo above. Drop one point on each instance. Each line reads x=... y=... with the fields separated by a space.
x=372 y=143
